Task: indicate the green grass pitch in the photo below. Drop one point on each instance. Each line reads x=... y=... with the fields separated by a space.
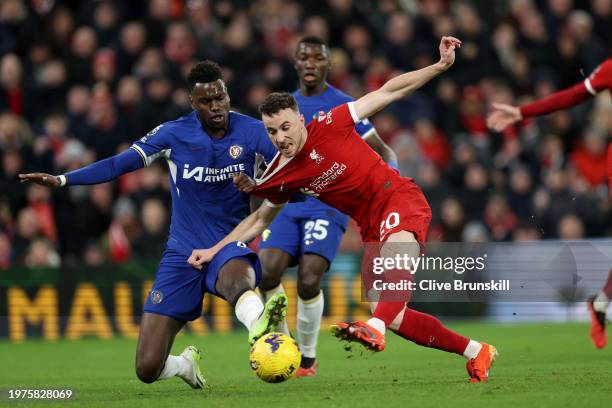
x=540 y=365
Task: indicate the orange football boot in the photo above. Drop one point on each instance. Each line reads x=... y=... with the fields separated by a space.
x=360 y=332
x=307 y=372
x=599 y=334
x=478 y=368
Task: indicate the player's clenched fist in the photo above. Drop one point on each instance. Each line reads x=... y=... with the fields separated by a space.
x=199 y=257
x=243 y=182
x=43 y=179
x=447 y=51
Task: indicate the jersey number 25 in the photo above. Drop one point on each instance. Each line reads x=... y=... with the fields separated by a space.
x=316 y=229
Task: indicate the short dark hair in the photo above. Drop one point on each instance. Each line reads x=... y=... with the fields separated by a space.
x=203 y=72
x=276 y=102
x=311 y=39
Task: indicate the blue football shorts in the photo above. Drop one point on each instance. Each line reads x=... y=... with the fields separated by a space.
x=179 y=288
x=319 y=235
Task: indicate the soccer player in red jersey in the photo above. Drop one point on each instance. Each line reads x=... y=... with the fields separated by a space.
x=327 y=159
x=504 y=115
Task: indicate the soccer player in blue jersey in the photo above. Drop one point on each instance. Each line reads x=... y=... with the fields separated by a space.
x=203 y=150
x=308 y=233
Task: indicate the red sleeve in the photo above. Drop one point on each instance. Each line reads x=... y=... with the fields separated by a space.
x=600 y=79
x=342 y=116
x=557 y=101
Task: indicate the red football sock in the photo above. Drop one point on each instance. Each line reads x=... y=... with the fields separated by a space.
x=426 y=330
x=607 y=289
x=392 y=302
x=387 y=311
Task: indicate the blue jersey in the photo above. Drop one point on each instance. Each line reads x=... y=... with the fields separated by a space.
x=310 y=106
x=205 y=204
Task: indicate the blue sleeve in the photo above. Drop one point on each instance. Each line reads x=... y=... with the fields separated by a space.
x=364 y=127
x=105 y=170
x=154 y=144
x=263 y=145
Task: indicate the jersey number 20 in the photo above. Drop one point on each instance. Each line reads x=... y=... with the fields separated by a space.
x=392 y=221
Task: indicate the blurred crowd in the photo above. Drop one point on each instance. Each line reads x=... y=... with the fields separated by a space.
x=81 y=79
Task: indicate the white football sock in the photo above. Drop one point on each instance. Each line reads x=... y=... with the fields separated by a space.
x=175 y=365
x=248 y=308
x=472 y=349
x=282 y=326
x=309 y=314
x=601 y=302
x=378 y=324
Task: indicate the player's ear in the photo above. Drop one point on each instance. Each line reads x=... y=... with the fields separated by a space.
x=302 y=118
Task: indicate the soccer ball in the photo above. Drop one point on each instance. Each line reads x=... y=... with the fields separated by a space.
x=275 y=357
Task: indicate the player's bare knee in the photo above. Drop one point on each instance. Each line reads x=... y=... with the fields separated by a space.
x=273 y=267
x=235 y=276
x=309 y=289
x=401 y=243
x=146 y=376
x=148 y=370
x=310 y=274
x=402 y=237
x=232 y=289
x=269 y=281
x=309 y=284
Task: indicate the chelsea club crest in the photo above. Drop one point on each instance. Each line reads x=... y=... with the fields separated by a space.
x=235 y=151
x=156 y=296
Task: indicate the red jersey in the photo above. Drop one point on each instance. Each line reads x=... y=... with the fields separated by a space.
x=336 y=166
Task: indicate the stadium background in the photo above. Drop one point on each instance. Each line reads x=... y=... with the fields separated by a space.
x=79 y=80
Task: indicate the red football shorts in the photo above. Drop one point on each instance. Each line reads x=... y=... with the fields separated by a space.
x=399 y=207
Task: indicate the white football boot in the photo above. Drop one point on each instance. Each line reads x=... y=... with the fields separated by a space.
x=194 y=378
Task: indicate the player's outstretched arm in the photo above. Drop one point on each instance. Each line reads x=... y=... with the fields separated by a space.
x=405 y=84
x=248 y=229
x=600 y=79
x=95 y=173
x=503 y=115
